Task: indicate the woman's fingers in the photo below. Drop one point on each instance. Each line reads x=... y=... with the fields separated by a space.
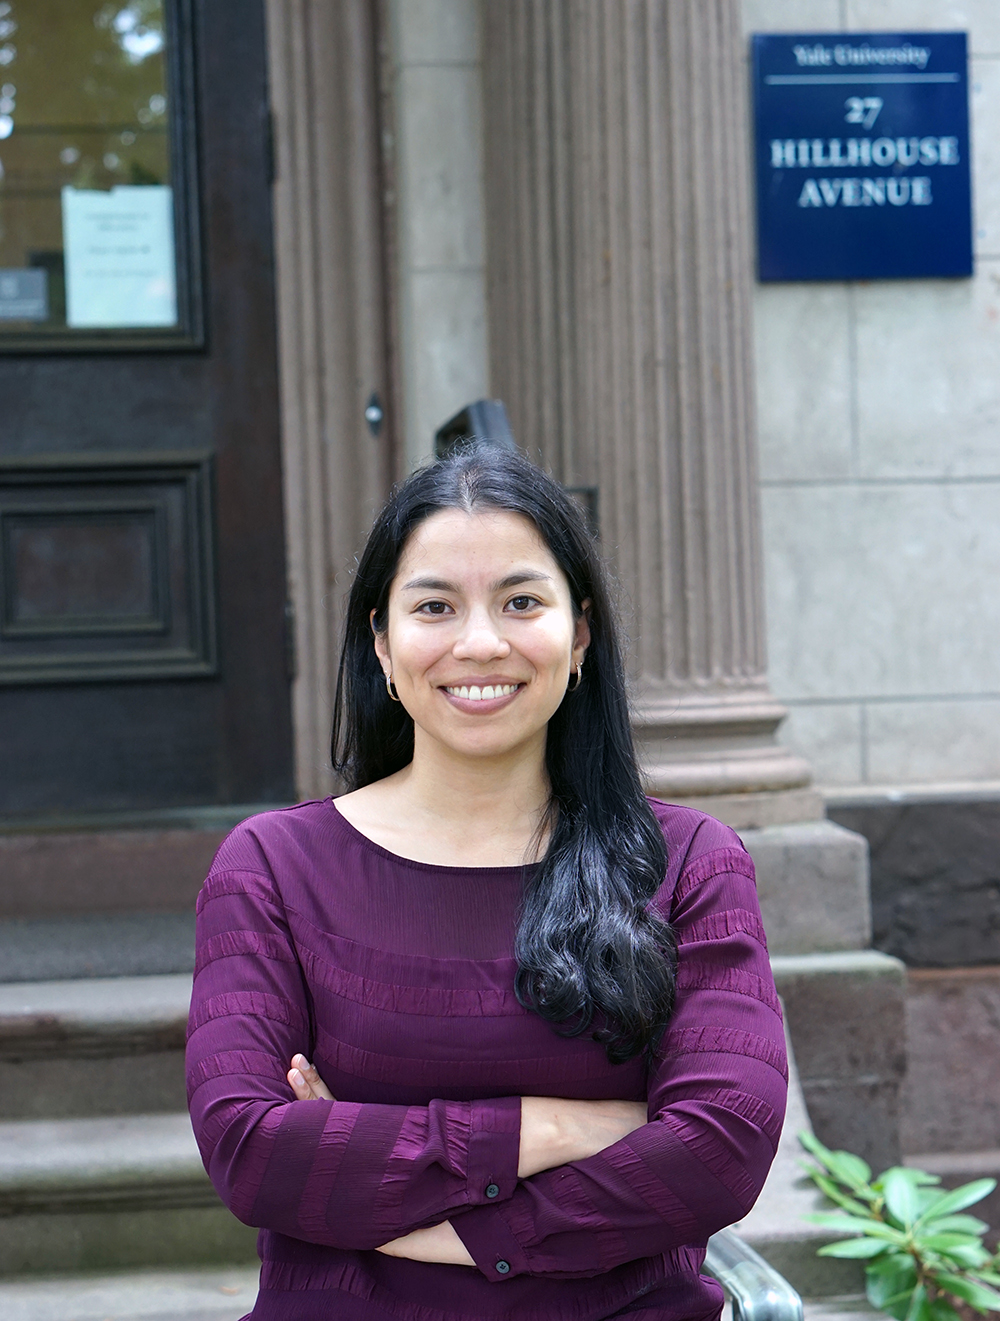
x=298 y=1084
x=306 y=1083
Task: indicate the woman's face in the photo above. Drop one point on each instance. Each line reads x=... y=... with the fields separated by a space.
x=481 y=638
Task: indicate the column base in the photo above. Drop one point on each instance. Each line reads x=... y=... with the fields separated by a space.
x=718 y=751
x=750 y=811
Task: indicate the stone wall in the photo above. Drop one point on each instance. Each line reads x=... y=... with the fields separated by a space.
x=879 y=415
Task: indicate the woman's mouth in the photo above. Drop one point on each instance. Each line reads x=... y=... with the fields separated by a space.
x=488 y=692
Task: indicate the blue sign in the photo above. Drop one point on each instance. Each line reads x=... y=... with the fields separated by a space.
x=862 y=153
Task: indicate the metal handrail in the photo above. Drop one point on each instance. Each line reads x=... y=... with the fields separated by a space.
x=757 y=1291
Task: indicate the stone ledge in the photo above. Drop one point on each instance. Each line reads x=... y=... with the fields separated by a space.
x=775 y=1226
x=812 y=879
x=129 y=1162
x=220 y=1294
x=87 y=945
x=846 y=1014
x=91 y=1017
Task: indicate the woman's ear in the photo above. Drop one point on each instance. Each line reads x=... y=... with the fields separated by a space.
x=581 y=640
x=381 y=645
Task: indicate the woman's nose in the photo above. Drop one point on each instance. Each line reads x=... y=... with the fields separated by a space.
x=481 y=639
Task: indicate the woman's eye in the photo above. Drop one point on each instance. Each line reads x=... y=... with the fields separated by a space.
x=522 y=603
x=435 y=607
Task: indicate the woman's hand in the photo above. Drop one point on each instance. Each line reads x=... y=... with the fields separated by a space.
x=306 y=1083
x=555 y=1132
x=437 y=1243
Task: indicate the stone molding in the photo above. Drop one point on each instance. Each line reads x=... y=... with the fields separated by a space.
x=331 y=291
x=618 y=230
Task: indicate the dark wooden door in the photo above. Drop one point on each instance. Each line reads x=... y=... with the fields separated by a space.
x=143 y=658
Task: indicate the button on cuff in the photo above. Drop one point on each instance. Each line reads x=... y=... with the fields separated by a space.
x=492 y=1191
x=503 y=1267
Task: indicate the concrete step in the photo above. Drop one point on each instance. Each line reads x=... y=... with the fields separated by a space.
x=205 y=1295
x=846 y=1014
x=94 y=944
x=111 y=862
x=853 y=1307
x=223 y=1295
x=100 y=1194
x=99 y=1046
x=775 y=1226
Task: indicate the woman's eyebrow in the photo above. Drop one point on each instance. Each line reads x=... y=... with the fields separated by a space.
x=501 y=585
x=429 y=585
x=523 y=576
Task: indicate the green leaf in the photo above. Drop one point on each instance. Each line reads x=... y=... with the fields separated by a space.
x=892 y=1300
x=966 y=1256
x=959 y=1198
x=853 y=1248
x=981 y=1298
x=836 y=1193
x=845 y=1167
x=955 y=1225
x=889 y=1283
x=942 y=1310
x=897 y=1305
x=846 y=1224
x=895 y=1262
x=918 y=1309
x=945 y=1242
x=851 y=1170
x=901 y=1197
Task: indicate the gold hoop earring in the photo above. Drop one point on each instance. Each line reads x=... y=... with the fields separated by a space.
x=579 y=678
x=388 y=686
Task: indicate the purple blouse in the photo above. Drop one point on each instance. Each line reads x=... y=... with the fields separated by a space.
x=396 y=979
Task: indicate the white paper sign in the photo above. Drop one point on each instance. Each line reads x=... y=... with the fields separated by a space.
x=119 y=252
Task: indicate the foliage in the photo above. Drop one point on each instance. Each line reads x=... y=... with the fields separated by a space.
x=925 y=1260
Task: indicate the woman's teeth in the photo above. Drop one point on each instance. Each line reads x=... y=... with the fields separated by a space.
x=486 y=694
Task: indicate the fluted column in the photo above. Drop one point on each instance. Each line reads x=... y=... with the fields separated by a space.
x=333 y=350
x=619 y=288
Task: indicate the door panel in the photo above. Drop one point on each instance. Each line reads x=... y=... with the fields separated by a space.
x=169 y=455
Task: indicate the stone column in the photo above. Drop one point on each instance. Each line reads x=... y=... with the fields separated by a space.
x=332 y=322
x=618 y=229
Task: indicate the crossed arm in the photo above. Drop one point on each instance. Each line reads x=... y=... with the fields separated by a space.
x=554 y=1132
x=587 y=1185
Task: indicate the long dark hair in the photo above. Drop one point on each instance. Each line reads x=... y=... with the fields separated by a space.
x=591 y=953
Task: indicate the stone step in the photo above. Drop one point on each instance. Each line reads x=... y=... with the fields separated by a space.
x=95 y=944
x=97 y=1046
x=224 y=1294
x=131 y=862
x=846 y=1014
x=775 y=1226
x=853 y=1307
x=98 y=1194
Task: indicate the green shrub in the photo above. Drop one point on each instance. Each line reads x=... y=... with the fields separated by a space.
x=925 y=1260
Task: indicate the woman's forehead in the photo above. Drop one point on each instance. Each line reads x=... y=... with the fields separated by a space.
x=458 y=536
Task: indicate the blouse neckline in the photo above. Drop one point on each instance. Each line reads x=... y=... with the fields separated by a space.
x=430 y=867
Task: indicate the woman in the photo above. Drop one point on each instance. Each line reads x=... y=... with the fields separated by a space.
x=542 y=1002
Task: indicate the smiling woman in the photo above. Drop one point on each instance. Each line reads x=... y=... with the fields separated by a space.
x=547 y=1057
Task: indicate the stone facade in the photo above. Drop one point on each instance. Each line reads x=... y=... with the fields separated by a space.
x=879 y=409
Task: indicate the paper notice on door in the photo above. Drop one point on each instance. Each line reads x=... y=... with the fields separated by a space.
x=119 y=254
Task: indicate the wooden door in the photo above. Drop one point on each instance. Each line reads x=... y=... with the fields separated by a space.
x=143 y=654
